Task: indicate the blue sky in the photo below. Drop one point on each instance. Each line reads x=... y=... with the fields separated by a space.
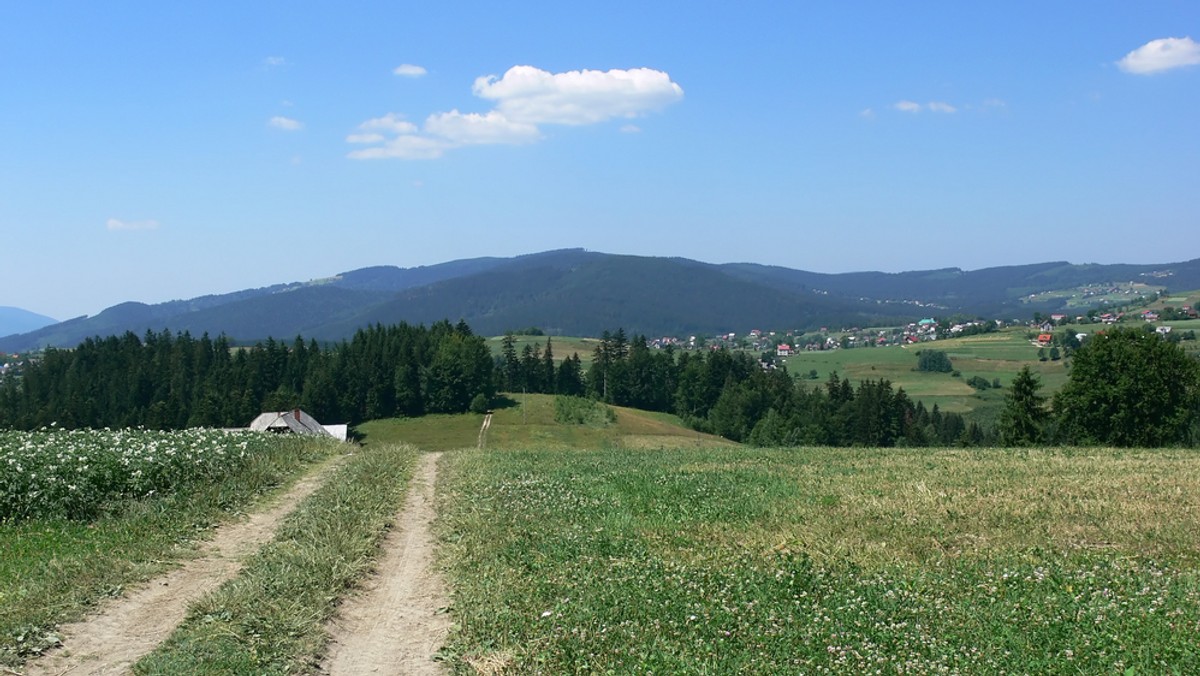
x=152 y=151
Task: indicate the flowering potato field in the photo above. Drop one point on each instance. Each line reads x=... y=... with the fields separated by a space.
x=1048 y=561
x=74 y=474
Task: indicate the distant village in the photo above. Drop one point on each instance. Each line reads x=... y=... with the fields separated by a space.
x=787 y=343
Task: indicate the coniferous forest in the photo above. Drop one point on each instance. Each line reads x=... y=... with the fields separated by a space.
x=165 y=381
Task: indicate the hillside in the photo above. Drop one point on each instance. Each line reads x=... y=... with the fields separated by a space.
x=578 y=292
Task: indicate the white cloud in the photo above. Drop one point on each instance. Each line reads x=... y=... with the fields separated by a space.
x=117 y=224
x=409 y=70
x=630 y=129
x=528 y=94
x=866 y=113
x=405 y=147
x=285 y=123
x=391 y=122
x=274 y=61
x=474 y=129
x=994 y=103
x=525 y=97
x=907 y=106
x=941 y=107
x=1159 y=55
x=364 y=138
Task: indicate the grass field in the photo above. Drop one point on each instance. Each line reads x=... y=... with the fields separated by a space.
x=527 y=421
x=693 y=561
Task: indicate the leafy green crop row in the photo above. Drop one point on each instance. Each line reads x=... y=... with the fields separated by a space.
x=75 y=474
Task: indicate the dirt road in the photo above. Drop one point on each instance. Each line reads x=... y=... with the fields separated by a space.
x=398 y=621
x=131 y=626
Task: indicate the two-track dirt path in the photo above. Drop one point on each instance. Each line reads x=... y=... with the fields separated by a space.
x=398 y=620
x=130 y=627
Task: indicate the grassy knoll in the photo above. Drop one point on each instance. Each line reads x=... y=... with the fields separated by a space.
x=1054 y=561
x=529 y=421
x=270 y=619
x=54 y=568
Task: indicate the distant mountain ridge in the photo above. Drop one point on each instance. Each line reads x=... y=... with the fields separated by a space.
x=579 y=292
x=18 y=320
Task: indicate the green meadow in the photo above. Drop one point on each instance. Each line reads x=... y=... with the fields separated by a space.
x=820 y=560
x=525 y=420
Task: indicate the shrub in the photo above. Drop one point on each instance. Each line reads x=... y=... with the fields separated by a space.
x=581 y=411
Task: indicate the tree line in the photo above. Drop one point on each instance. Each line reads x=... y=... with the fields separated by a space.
x=166 y=381
x=1125 y=388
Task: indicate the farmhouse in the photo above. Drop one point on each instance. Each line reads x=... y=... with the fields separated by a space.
x=1045 y=338
x=783 y=350
x=296 y=422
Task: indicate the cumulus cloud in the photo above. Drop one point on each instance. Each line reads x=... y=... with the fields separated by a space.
x=941 y=107
x=285 y=123
x=117 y=224
x=528 y=94
x=474 y=128
x=391 y=122
x=1160 y=55
x=524 y=98
x=274 y=61
x=409 y=70
x=907 y=106
x=630 y=129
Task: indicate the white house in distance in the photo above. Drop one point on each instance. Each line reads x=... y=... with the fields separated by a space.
x=296 y=422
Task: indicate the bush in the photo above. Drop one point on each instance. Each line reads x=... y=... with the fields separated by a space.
x=480 y=404
x=978 y=382
x=580 y=411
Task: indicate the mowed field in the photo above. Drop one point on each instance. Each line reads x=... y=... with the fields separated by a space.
x=818 y=560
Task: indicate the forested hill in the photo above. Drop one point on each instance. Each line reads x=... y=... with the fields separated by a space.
x=577 y=292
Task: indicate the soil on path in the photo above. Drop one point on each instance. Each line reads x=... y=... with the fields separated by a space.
x=130 y=627
x=397 y=623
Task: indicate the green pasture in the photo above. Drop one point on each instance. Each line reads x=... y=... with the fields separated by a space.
x=524 y=420
x=819 y=560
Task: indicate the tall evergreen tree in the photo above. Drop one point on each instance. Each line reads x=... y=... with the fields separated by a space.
x=1023 y=418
